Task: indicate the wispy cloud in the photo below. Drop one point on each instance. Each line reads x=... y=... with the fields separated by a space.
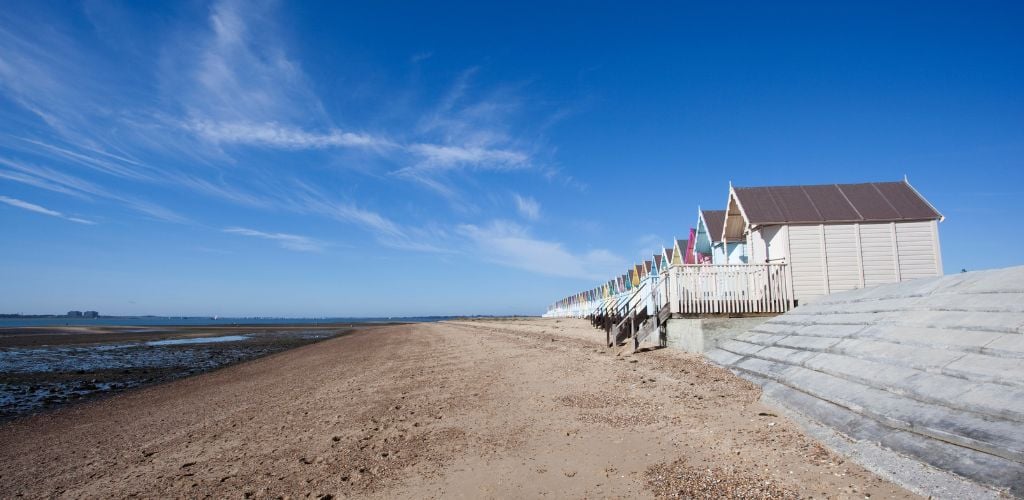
x=154 y=210
x=246 y=90
x=280 y=136
x=468 y=130
x=49 y=179
x=32 y=207
x=240 y=70
x=304 y=198
x=285 y=240
x=527 y=206
x=218 y=96
x=99 y=160
x=308 y=199
x=434 y=166
x=440 y=157
x=509 y=244
x=59 y=182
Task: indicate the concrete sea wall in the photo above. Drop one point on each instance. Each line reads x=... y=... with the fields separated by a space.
x=703 y=334
x=932 y=369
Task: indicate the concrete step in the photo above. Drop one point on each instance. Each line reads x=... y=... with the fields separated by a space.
x=932 y=368
x=985 y=399
x=966 y=359
x=997 y=437
x=982 y=467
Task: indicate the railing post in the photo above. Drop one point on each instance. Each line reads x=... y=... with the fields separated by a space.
x=790 y=295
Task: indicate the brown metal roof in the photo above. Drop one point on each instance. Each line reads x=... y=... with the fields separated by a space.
x=715 y=221
x=869 y=202
x=647 y=267
x=668 y=253
x=657 y=261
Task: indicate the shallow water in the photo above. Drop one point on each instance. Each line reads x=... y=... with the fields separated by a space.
x=199 y=340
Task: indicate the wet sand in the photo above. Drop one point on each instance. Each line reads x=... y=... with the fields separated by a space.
x=42 y=368
x=38 y=336
x=515 y=408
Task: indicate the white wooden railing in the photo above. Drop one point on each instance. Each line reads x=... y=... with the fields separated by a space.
x=727 y=289
x=733 y=289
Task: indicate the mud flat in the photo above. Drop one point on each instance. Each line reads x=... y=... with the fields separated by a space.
x=42 y=368
x=514 y=408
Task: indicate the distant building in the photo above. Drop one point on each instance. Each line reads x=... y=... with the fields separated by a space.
x=90 y=314
x=74 y=314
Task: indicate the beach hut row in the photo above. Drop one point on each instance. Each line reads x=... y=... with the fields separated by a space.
x=770 y=249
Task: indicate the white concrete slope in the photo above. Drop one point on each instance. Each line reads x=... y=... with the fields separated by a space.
x=931 y=368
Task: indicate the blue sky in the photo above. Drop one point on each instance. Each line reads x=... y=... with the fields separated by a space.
x=298 y=159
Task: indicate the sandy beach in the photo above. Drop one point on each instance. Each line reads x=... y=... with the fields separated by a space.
x=476 y=409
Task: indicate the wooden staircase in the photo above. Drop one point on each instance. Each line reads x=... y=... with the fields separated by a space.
x=653 y=324
x=631 y=319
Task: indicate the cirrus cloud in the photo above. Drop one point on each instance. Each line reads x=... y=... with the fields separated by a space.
x=511 y=245
x=32 y=207
x=285 y=240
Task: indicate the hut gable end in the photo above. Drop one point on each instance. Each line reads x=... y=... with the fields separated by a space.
x=714 y=221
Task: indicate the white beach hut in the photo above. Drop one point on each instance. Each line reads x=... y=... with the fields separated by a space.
x=836 y=237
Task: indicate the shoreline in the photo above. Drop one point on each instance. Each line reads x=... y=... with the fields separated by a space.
x=522 y=408
x=45 y=368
